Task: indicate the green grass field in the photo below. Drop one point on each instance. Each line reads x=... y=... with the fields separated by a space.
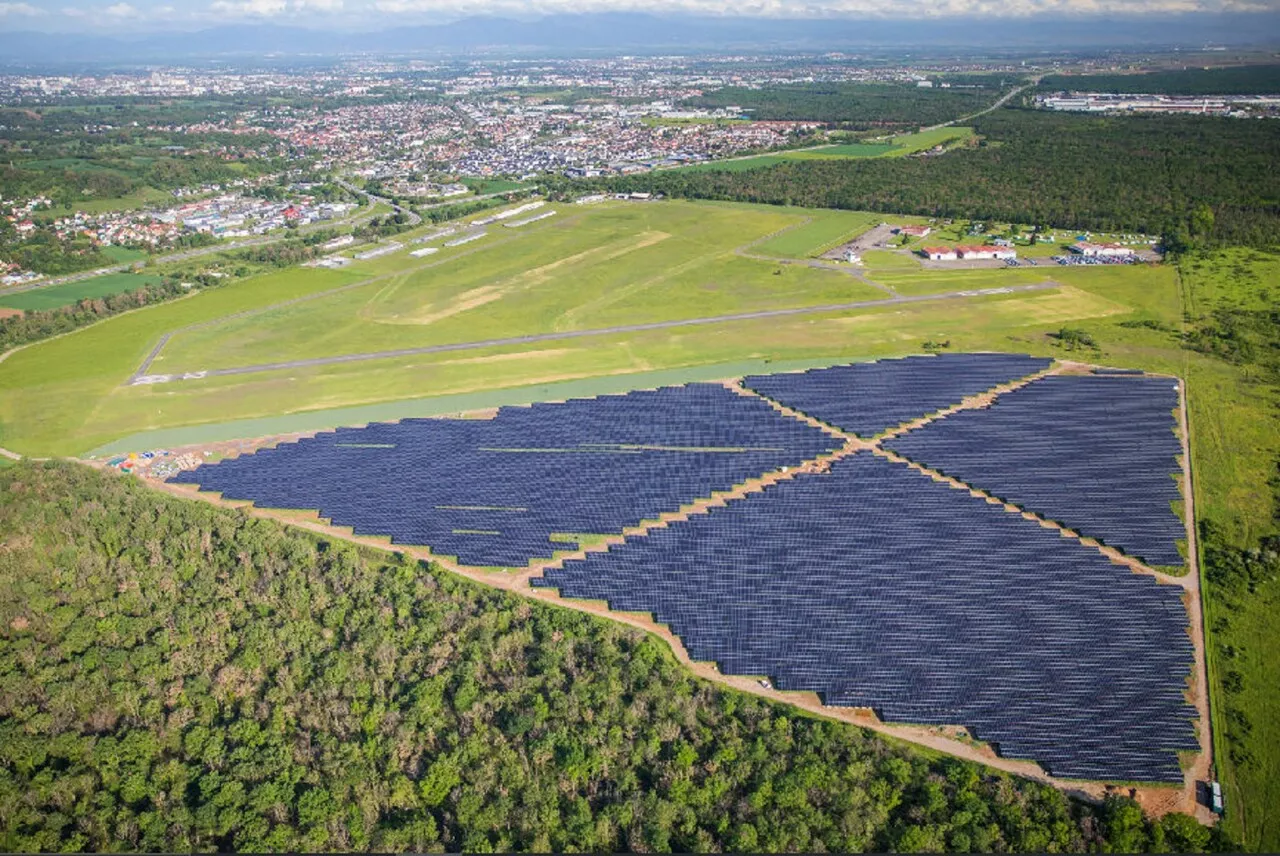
x=140 y=198
x=824 y=230
x=64 y=295
x=737 y=164
x=491 y=185
x=843 y=150
x=908 y=144
x=614 y=264
x=124 y=254
x=1236 y=429
x=930 y=282
x=899 y=146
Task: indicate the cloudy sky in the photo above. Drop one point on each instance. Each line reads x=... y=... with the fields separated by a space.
x=124 y=15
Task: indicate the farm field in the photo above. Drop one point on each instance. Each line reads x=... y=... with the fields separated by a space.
x=64 y=295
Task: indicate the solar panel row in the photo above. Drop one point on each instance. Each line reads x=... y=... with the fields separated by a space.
x=868 y=398
x=876 y=586
x=1096 y=453
x=491 y=492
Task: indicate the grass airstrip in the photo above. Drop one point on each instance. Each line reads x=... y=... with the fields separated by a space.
x=596 y=267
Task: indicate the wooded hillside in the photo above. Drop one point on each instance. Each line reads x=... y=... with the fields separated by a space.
x=175 y=676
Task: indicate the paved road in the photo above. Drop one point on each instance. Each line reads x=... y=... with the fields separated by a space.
x=1004 y=99
x=576 y=334
x=413 y=217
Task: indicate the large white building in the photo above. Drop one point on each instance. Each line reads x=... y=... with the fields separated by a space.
x=1105 y=251
x=987 y=251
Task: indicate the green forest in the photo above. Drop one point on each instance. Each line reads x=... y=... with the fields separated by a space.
x=176 y=676
x=1236 y=80
x=855 y=105
x=1202 y=181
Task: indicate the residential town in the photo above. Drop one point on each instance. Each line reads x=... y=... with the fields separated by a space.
x=227 y=214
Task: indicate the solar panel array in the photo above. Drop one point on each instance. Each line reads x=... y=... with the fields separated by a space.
x=876 y=586
x=868 y=398
x=491 y=492
x=1096 y=453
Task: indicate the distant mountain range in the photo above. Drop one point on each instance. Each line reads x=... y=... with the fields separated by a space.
x=587 y=34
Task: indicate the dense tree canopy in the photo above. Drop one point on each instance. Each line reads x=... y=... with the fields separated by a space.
x=1236 y=80
x=1156 y=174
x=856 y=105
x=175 y=676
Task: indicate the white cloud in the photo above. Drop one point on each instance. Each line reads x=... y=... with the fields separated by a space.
x=26 y=9
x=827 y=8
x=271 y=8
x=248 y=8
x=122 y=10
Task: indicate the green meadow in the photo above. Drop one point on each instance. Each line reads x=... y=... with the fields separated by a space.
x=897 y=146
x=822 y=231
x=1235 y=430
x=63 y=295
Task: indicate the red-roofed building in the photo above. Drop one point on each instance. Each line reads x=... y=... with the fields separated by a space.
x=914 y=231
x=940 y=254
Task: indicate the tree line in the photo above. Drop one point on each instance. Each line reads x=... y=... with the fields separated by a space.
x=176 y=676
x=34 y=325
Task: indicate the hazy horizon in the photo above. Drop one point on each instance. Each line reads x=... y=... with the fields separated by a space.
x=117 y=17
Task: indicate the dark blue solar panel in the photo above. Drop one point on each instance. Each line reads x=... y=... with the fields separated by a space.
x=868 y=398
x=876 y=586
x=491 y=492
x=1095 y=453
